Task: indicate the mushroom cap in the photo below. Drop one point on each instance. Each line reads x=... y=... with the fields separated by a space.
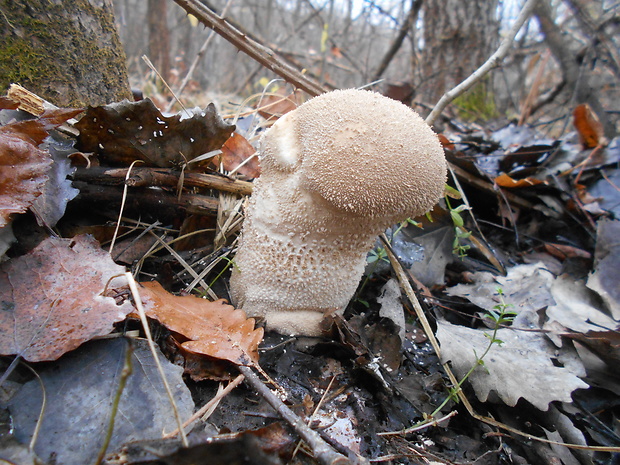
x=365 y=154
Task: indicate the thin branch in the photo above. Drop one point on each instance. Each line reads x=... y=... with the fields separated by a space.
x=400 y=37
x=491 y=63
x=258 y=52
x=322 y=451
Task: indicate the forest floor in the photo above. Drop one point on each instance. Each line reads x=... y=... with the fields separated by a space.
x=515 y=283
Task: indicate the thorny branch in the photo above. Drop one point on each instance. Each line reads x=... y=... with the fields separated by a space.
x=258 y=52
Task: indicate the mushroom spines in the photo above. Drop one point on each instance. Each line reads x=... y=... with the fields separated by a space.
x=358 y=148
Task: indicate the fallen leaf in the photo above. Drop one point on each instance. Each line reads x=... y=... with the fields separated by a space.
x=503 y=180
x=576 y=309
x=605 y=280
x=128 y=131
x=50 y=206
x=24 y=166
x=237 y=150
x=53 y=298
x=526 y=287
x=24 y=171
x=80 y=389
x=524 y=366
x=274 y=105
x=215 y=328
x=588 y=126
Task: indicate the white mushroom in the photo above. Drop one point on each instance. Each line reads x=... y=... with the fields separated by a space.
x=336 y=172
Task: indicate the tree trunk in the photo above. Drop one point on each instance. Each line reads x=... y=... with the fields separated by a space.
x=66 y=51
x=575 y=72
x=159 y=37
x=459 y=36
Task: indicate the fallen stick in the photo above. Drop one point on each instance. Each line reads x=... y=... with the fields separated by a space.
x=322 y=451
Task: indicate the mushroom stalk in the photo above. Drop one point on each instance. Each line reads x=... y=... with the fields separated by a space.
x=336 y=172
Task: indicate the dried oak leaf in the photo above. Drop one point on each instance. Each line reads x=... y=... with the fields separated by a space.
x=127 y=131
x=52 y=298
x=23 y=166
x=526 y=365
x=236 y=151
x=215 y=328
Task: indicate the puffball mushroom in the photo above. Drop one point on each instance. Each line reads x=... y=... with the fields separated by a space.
x=335 y=173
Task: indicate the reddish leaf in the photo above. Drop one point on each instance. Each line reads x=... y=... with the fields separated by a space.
x=213 y=328
x=235 y=151
x=446 y=143
x=53 y=301
x=281 y=102
x=24 y=167
x=588 y=126
x=24 y=171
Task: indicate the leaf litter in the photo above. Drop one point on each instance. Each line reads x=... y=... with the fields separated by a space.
x=379 y=372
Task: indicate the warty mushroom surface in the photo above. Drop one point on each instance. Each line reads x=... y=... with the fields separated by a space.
x=335 y=173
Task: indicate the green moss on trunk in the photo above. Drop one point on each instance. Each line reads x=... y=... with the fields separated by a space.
x=67 y=51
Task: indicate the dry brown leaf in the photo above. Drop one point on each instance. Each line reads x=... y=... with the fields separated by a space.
x=588 y=126
x=281 y=102
x=53 y=298
x=215 y=328
x=128 y=131
x=23 y=166
x=235 y=151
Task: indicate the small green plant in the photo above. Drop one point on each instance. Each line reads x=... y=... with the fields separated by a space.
x=460 y=233
x=501 y=315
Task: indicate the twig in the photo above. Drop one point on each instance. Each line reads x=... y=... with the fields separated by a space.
x=321 y=450
x=147 y=332
x=421 y=426
x=258 y=52
x=194 y=64
x=151 y=177
x=492 y=62
x=37 y=428
x=207 y=408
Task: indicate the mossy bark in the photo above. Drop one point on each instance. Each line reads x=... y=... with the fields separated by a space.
x=66 y=51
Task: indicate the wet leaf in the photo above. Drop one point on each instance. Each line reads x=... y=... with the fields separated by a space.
x=235 y=151
x=215 y=328
x=128 y=131
x=53 y=298
x=80 y=389
x=24 y=166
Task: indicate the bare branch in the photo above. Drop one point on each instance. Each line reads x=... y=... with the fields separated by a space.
x=491 y=63
x=258 y=52
x=322 y=452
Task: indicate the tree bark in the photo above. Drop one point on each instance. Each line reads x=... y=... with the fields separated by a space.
x=66 y=51
x=459 y=36
x=575 y=73
x=159 y=37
